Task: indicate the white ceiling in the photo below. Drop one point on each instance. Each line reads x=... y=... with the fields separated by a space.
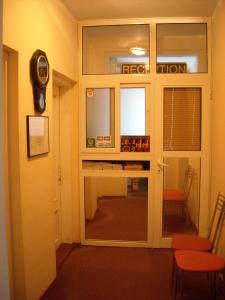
x=115 y=9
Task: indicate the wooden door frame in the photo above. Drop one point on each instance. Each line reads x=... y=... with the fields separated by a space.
x=57 y=165
x=67 y=90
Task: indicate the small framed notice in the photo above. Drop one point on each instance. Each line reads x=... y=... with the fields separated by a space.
x=37 y=135
x=103 y=141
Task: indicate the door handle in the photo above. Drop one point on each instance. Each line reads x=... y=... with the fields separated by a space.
x=161 y=164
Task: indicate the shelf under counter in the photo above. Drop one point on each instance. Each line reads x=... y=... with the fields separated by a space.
x=118 y=166
x=117 y=156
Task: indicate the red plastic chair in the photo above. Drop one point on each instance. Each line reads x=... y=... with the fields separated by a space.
x=179 y=196
x=197 y=243
x=198 y=262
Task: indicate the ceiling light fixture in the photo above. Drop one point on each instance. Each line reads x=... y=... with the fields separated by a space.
x=138 y=51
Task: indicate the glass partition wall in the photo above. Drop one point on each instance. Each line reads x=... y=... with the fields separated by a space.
x=143 y=129
x=116 y=49
x=181 y=48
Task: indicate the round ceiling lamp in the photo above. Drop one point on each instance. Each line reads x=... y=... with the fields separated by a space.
x=137 y=51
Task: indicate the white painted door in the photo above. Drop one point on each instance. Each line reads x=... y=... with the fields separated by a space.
x=57 y=166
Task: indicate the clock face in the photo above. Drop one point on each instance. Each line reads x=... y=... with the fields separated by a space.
x=42 y=70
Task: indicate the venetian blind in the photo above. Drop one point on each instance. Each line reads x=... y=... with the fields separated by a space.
x=182 y=119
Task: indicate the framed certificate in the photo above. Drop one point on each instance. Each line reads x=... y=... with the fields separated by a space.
x=37 y=135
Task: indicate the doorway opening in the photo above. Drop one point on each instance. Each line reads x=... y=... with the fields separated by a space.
x=62 y=129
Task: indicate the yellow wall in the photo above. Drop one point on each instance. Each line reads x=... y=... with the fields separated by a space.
x=27 y=26
x=218 y=105
x=4 y=281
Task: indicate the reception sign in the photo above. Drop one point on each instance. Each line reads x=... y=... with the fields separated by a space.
x=165 y=68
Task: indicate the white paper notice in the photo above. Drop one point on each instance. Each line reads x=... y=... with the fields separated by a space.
x=36 y=126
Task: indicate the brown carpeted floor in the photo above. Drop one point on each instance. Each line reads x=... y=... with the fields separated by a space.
x=125 y=218
x=62 y=253
x=119 y=218
x=174 y=224
x=106 y=273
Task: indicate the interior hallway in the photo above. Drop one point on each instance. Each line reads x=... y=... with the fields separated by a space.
x=89 y=271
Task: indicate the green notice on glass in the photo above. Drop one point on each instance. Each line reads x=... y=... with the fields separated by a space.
x=90 y=142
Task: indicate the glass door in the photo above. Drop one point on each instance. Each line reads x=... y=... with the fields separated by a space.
x=182 y=162
x=116 y=208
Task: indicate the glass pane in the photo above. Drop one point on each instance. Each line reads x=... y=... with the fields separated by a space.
x=111 y=49
x=116 y=208
x=100 y=113
x=132 y=111
x=182 y=48
x=182 y=119
x=181 y=196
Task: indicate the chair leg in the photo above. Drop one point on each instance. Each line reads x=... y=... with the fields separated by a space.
x=176 y=281
x=215 y=284
x=181 y=285
x=184 y=211
x=172 y=275
x=209 y=277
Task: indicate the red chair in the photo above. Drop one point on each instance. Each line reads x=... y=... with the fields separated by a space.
x=179 y=196
x=197 y=243
x=200 y=261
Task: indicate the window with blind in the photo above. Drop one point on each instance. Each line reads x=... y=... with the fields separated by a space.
x=182 y=119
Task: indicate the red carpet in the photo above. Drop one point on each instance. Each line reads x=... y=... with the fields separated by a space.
x=125 y=218
x=105 y=273
x=62 y=253
x=119 y=218
x=173 y=222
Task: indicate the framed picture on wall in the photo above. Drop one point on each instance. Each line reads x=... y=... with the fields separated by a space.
x=37 y=135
